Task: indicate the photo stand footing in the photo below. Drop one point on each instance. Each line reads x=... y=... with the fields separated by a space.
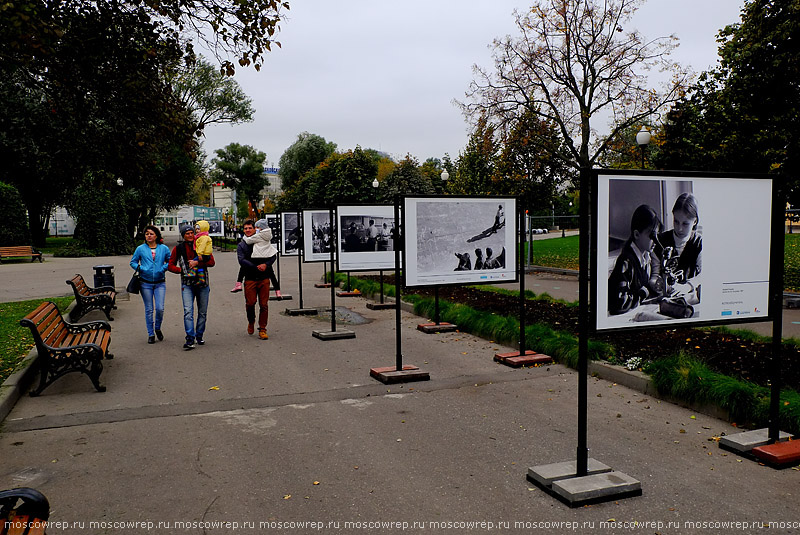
x=284 y=297
x=436 y=328
x=600 y=484
x=517 y=360
x=755 y=445
x=391 y=375
x=322 y=285
x=302 y=311
x=381 y=306
x=348 y=294
x=333 y=335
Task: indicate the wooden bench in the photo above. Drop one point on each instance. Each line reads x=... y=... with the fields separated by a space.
x=67 y=347
x=23 y=511
x=88 y=298
x=20 y=251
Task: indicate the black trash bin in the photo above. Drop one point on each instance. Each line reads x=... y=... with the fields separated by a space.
x=103 y=275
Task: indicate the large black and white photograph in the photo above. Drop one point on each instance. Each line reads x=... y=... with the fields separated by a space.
x=216 y=228
x=290 y=234
x=317 y=236
x=459 y=240
x=366 y=237
x=681 y=250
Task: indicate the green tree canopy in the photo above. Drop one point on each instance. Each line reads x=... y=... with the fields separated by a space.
x=302 y=156
x=475 y=167
x=405 y=179
x=241 y=168
x=13 y=223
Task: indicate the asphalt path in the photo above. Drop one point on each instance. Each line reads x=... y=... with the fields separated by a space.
x=276 y=434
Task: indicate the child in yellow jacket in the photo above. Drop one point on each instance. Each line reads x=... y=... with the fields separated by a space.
x=203 y=244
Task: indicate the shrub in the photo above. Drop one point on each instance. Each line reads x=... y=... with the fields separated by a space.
x=13 y=217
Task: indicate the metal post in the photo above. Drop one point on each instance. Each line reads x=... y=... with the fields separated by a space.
x=583 y=336
x=299 y=258
x=521 y=234
x=381 y=272
x=397 y=284
x=333 y=273
x=436 y=305
x=776 y=311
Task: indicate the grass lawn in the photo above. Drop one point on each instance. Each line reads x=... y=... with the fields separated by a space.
x=563 y=253
x=16 y=341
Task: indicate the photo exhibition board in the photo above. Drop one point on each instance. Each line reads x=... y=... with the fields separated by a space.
x=459 y=240
x=273 y=222
x=290 y=234
x=680 y=250
x=317 y=237
x=365 y=238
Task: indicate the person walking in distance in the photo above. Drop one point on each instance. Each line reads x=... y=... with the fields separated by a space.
x=194 y=285
x=256 y=284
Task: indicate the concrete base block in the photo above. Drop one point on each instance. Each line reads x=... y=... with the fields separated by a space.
x=578 y=491
x=390 y=375
x=381 y=306
x=322 y=285
x=746 y=441
x=302 y=311
x=284 y=297
x=779 y=454
x=348 y=294
x=547 y=474
x=529 y=358
x=333 y=335
x=434 y=328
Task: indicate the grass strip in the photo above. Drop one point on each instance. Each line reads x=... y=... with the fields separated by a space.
x=16 y=341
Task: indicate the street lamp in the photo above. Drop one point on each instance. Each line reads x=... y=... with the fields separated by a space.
x=643 y=140
x=445 y=175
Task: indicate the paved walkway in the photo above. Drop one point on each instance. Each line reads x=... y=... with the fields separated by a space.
x=293 y=430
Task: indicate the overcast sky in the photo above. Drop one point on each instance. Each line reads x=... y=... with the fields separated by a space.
x=383 y=74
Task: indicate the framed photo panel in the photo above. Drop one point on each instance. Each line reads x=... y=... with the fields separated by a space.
x=459 y=240
x=366 y=238
x=680 y=249
x=317 y=236
x=290 y=234
x=275 y=226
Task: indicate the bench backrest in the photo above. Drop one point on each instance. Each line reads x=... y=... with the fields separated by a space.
x=18 y=250
x=47 y=325
x=79 y=285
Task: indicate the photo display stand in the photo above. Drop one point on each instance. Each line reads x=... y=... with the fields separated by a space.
x=274 y=222
x=348 y=292
x=382 y=304
x=523 y=357
x=333 y=334
x=301 y=311
x=323 y=284
x=399 y=373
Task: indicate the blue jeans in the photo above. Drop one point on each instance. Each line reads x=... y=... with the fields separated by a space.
x=153 y=293
x=189 y=294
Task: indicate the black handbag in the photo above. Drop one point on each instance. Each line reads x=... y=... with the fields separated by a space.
x=135 y=284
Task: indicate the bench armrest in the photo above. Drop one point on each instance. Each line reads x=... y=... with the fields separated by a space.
x=33 y=504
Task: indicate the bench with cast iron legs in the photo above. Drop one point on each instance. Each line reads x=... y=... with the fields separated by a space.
x=19 y=251
x=23 y=511
x=67 y=347
x=88 y=298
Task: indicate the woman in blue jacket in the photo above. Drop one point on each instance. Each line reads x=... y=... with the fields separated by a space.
x=151 y=259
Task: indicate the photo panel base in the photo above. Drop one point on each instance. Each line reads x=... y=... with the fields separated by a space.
x=437 y=328
x=755 y=445
x=343 y=293
x=391 y=375
x=322 y=285
x=325 y=336
x=600 y=484
x=283 y=297
x=301 y=311
x=381 y=306
x=518 y=360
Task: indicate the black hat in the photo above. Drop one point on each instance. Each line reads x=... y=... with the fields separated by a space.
x=184 y=228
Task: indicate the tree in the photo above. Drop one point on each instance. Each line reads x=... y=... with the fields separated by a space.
x=209 y=96
x=743 y=115
x=524 y=170
x=241 y=168
x=572 y=61
x=13 y=227
x=244 y=29
x=303 y=155
x=475 y=167
x=405 y=179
